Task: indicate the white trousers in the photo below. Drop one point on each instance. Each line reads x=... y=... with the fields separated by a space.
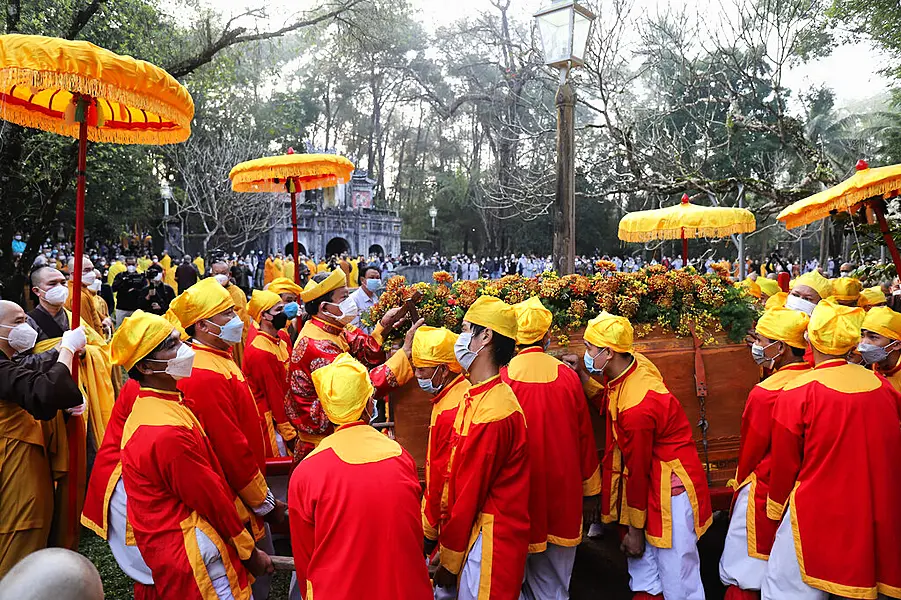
x=470 y=577
x=736 y=567
x=129 y=557
x=674 y=572
x=214 y=565
x=548 y=574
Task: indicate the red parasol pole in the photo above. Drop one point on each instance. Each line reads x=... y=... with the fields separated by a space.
x=684 y=239
x=886 y=235
x=74 y=427
x=292 y=187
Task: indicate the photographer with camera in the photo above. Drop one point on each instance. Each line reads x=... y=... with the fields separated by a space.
x=130 y=288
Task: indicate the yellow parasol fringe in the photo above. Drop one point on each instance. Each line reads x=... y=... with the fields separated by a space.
x=690 y=233
x=312 y=170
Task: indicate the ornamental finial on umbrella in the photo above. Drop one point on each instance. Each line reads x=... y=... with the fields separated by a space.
x=685 y=198
x=290 y=150
x=861 y=165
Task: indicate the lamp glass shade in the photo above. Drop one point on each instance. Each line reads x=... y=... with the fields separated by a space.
x=564 y=28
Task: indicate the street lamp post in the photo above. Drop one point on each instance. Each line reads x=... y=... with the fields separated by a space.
x=564 y=28
x=433 y=212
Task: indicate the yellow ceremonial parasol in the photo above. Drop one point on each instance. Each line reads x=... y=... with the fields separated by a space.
x=291 y=173
x=866 y=186
x=685 y=221
x=76 y=89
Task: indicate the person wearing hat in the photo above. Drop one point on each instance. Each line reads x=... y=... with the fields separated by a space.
x=807 y=290
x=846 y=290
x=266 y=369
x=768 y=287
x=221 y=398
x=181 y=510
x=779 y=347
x=870 y=297
x=324 y=336
x=836 y=446
x=290 y=294
x=880 y=343
x=340 y=550
x=440 y=376
x=486 y=528
x=220 y=271
x=653 y=481
x=563 y=457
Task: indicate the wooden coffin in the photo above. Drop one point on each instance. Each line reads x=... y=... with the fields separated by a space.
x=730 y=374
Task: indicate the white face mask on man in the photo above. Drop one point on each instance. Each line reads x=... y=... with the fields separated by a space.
x=800 y=304
x=181 y=365
x=21 y=337
x=349 y=311
x=57 y=295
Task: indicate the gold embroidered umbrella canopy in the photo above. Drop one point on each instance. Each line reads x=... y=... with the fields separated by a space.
x=291 y=173
x=77 y=89
x=867 y=186
x=685 y=221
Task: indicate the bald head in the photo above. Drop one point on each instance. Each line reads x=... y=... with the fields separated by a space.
x=86 y=264
x=11 y=313
x=46 y=277
x=219 y=268
x=52 y=574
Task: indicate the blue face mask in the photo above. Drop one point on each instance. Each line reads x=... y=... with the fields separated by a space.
x=291 y=310
x=231 y=332
x=427 y=386
x=589 y=363
x=373 y=285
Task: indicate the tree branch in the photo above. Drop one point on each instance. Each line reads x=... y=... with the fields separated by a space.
x=82 y=17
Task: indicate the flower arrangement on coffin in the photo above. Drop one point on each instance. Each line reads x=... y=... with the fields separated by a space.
x=652 y=297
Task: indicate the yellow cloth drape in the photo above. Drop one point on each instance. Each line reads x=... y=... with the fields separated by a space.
x=169 y=279
x=288 y=269
x=115 y=268
x=312 y=267
x=166 y=262
x=89 y=314
x=143 y=263
x=240 y=300
x=198 y=262
x=270 y=271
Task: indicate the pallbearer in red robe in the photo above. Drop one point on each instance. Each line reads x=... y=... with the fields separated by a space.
x=880 y=343
x=289 y=292
x=356 y=473
x=326 y=335
x=218 y=394
x=180 y=509
x=779 y=346
x=438 y=375
x=266 y=369
x=653 y=481
x=563 y=456
x=834 y=483
x=485 y=504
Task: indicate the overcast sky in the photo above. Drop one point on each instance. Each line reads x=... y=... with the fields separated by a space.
x=852 y=70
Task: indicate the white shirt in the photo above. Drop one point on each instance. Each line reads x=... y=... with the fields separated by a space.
x=364 y=304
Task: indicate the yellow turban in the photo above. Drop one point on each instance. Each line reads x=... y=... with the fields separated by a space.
x=138 y=335
x=777 y=300
x=610 y=331
x=260 y=302
x=335 y=280
x=343 y=388
x=884 y=321
x=785 y=325
x=493 y=313
x=283 y=285
x=817 y=282
x=752 y=286
x=532 y=320
x=835 y=329
x=846 y=289
x=202 y=300
x=770 y=287
x=173 y=320
x=873 y=296
x=433 y=346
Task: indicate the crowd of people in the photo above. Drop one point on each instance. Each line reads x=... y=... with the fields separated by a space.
x=191 y=376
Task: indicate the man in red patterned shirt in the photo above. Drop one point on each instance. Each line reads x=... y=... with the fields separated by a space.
x=327 y=334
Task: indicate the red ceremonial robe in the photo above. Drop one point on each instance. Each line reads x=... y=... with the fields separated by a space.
x=283 y=334
x=174 y=485
x=340 y=549
x=218 y=394
x=835 y=455
x=107 y=466
x=563 y=457
x=318 y=345
x=754 y=456
x=487 y=490
x=649 y=442
x=441 y=428
x=893 y=375
x=266 y=369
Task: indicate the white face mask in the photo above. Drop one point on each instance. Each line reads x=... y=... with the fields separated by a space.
x=464 y=355
x=222 y=279
x=349 y=311
x=158 y=277
x=95 y=287
x=181 y=366
x=131 y=268
x=800 y=304
x=231 y=332
x=57 y=295
x=21 y=337
x=88 y=278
